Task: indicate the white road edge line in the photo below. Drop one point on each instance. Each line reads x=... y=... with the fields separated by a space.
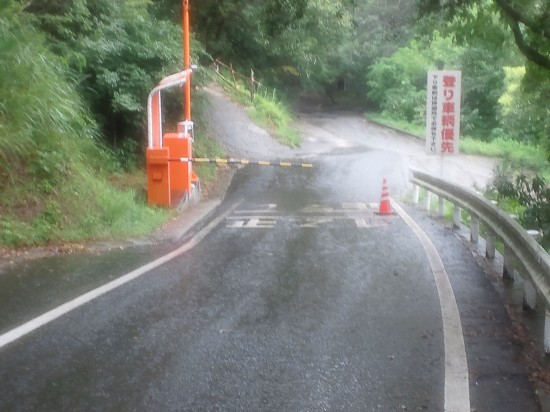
x=457 y=390
x=67 y=307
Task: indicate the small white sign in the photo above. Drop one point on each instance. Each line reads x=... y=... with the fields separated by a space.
x=443 y=111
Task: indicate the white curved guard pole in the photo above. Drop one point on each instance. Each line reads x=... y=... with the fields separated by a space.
x=177 y=79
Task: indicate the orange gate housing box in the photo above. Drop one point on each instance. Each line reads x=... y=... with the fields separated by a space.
x=158 y=176
x=180 y=172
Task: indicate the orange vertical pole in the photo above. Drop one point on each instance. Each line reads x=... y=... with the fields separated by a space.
x=186 y=59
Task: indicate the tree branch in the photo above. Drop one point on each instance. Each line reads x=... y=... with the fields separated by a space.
x=527 y=50
x=515 y=18
x=533 y=24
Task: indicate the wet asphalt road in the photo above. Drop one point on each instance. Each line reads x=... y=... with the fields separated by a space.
x=301 y=299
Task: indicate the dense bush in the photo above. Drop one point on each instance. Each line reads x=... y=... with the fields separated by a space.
x=118 y=51
x=532 y=195
x=45 y=126
x=524 y=109
x=397 y=84
x=53 y=169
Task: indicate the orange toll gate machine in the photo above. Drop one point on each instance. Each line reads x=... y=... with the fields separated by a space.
x=171 y=183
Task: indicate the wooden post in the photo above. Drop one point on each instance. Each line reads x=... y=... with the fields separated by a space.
x=252 y=91
x=233 y=75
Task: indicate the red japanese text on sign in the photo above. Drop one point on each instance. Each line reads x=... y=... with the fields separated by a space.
x=443 y=111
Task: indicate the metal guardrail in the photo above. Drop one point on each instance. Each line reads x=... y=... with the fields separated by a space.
x=520 y=246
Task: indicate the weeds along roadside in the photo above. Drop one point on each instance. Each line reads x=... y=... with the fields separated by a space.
x=265 y=106
x=58 y=182
x=520 y=156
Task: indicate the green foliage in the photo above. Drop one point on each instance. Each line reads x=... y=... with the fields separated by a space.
x=397 y=84
x=512 y=83
x=325 y=25
x=267 y=109
x=527 y=20
x=274 y=114
x=532 y=195
x=204 y=145
x=54 y=184
x=515 y=107
x=403 y=125
x=519 y=154
x=39 y=110
x=516 y=34
x=273 y=36
x=482 y=87
x=118 y=50
x=524 y=108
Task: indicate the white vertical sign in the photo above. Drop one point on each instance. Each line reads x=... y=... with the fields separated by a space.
x=443 y=111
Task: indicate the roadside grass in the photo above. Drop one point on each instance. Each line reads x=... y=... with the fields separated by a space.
x=75 y=192
x=267 y=109
x=54 y=172
x=386 y=120
x=205 y=145
x=58 y=182
x=518 y=155
x=82 y=207
x=273 y=114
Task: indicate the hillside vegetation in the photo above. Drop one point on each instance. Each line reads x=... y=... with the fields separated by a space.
x=54 y=170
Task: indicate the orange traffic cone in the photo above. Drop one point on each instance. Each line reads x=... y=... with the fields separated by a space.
x=385 y=208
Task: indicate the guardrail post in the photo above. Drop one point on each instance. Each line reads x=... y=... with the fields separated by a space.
x=508 y=266
x=529 y=296
x=441 y=206
x=474 y=229
x=529 y=289
x=490 y=244
x=518 y=246
x=427 y=199
x=457 y=219
x=416 y=194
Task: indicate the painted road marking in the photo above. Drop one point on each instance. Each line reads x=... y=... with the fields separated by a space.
x=44 y=319
x=252 y=223
x=315 y=222
x=266 y=216
x=457 y=390
x=260 y=209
